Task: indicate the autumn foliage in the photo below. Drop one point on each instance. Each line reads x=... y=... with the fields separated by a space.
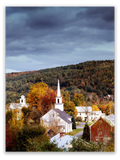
x=9 y=139
x=46 y=101
x=78 y=99
x=36 y=91
x=95 y=108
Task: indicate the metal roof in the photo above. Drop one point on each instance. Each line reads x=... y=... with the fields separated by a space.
x=63 y=115
x=63 y=141
x=84 y=108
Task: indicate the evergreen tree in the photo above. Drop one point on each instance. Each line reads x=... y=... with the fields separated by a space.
x=73 y=121
x=86 y=132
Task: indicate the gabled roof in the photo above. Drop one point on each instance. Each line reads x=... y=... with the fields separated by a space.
x=106 y=119
x=84 y=108
x=63 y=115
x=111 y=117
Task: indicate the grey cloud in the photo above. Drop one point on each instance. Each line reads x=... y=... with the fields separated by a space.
x=57 y=32
x=106 y=13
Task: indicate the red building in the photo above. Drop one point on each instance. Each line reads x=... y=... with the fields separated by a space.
x=100 y=130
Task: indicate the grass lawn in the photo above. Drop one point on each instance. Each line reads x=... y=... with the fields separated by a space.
x=89 y=123
x=75 y=131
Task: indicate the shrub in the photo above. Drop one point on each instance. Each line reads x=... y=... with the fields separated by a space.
x=41 y=143
x=81 y=145
x=78 y=119
x=26 y=133
x=8 y=116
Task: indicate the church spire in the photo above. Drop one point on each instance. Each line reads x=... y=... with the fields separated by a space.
x=58 y=90
x=59 y=104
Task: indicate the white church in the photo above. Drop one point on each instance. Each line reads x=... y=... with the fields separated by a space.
x=19 y=105
x=58 y=115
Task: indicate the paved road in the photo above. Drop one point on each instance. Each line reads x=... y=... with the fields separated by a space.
x=79 y=134
x=81 y=125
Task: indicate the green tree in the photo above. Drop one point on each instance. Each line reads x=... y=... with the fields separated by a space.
x=81 y=145
x=29 y=132
x=8 y=116
x=35 y=115
x=86 y=132
x=42 y=143
x=26 y=113
x=73 y=121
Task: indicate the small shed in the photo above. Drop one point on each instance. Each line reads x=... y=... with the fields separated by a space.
x=100 y=130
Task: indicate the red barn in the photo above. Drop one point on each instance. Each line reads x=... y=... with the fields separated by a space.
x=100 y=130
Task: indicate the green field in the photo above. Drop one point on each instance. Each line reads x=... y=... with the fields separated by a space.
x=75 y=131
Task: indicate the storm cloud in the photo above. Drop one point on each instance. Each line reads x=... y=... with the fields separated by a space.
x=45 y=37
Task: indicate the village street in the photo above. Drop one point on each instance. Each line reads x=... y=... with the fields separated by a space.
x=79 y=134
x=80 y=126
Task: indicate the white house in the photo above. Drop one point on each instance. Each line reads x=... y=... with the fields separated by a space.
x=86 y=113
x=19 y=105
x=58 y=116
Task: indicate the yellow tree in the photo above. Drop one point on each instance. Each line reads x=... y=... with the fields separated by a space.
x=16 y=122
x=108 y=109
x=36 y=91
x=95 y=108
x=112 y=106
x=78 y=99
x=69 y=107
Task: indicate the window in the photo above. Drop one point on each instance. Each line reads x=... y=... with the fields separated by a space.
x=100 y=121
x=100 y=133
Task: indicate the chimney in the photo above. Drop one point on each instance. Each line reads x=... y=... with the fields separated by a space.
x=61 y=134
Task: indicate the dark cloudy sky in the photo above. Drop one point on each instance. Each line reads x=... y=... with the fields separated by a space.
x=46 y=37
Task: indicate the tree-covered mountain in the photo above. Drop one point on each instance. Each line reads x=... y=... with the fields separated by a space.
x=87 y=77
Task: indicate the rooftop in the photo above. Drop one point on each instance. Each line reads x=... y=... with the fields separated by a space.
x=84 y=108
x=63 y=115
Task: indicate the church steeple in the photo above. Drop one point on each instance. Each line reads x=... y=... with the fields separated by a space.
x=58 y=104
x=58 y=90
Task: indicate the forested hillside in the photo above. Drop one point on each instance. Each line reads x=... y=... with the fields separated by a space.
x=87 y=77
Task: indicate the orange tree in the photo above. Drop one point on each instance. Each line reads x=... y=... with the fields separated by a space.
x=36 y=91
x=46 y=101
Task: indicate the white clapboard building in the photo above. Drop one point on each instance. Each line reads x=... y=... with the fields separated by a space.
x=58 y=115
